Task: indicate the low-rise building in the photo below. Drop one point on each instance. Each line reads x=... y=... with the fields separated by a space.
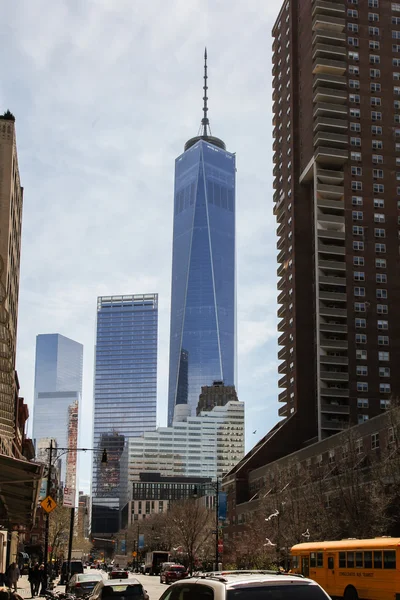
x=154 y=493
x=367 y=448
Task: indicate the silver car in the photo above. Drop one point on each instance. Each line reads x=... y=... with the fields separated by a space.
x=246 y=585
x=81 y=584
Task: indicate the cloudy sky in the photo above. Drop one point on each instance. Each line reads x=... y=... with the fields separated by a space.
x=105 y=93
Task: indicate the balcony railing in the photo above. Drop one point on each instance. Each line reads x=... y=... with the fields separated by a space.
x=326 y=359
x=334 y=376
x=328 y=22
x=331 y=156
x=332 y=311
x=328 y=65
x=329 y=51
x=334 y=265
x=331 y=249
x=326 y=94
x=331 y=392
x=330 y=191
x=325 y=138
x=328 y=8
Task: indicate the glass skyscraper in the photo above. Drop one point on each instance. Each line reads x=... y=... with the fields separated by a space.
x=203 y=307
x=57 y=395
x=125 y=393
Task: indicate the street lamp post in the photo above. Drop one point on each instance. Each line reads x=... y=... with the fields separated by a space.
x=137 y=548
x=47 y=524
x=104 y=459
x=215 y=487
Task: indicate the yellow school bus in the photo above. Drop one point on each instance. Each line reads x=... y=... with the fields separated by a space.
x=352 y=569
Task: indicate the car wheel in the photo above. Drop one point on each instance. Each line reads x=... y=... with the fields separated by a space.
x=350 y=593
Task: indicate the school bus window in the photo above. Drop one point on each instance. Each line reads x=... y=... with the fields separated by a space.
x=313 y=560
x=389 y=559
x=320 y=559
x=342 y=560
x=368 y=560
x=350 y=560
x=331 y=563
x=359 y=560
x=295 y=562
x=377 y=560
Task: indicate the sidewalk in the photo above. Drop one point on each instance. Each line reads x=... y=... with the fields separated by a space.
x=24 y=587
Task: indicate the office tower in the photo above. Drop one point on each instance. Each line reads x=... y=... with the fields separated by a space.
x=203 y=317
x=125 y=393
x=11 y=199
x=206 y=445
x=57 y=395
x=336 y=69
x=216 y=394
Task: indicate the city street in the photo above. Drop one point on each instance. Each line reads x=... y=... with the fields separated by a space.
x=152 y=584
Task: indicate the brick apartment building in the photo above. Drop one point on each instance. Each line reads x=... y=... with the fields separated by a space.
x=20 y=477
x=336 y=106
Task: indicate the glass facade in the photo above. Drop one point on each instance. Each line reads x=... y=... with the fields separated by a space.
x=203 y=310
x=125 y=393
x=207 y=445
x=57 y=394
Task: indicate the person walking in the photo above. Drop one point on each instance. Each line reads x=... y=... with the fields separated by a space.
x=13 y=574
x=42 y=580
x=34 y=579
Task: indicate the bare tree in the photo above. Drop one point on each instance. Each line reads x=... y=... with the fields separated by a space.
x=59 y=531
x=191 y=528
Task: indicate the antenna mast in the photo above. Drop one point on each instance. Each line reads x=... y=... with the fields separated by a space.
x=205 y=122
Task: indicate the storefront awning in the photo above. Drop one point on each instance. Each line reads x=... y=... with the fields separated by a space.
x=19 y=490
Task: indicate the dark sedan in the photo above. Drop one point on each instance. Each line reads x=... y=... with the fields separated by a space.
x=173 y=573
x=82 y=583
x=118 y=574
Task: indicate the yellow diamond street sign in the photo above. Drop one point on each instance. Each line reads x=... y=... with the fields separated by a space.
x=48 y=504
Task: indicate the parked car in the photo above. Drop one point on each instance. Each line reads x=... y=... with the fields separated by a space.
x=123 y=589
x=76 y=567
x=82 y=584
x=172 y=573
x=247 y=585
x=118 y=574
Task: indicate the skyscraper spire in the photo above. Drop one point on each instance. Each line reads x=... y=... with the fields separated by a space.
x=204 y=132
x=205 y=121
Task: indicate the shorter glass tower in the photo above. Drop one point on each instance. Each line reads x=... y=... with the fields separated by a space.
x=57 y=395
x=125 y=393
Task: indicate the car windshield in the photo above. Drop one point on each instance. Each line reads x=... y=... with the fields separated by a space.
x=121 y=590
x=89 y=577
x=291 y=591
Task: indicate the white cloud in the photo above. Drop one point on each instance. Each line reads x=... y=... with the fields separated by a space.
x=105 y=94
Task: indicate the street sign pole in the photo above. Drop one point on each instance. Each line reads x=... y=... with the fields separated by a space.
x=47 y=524
x=71 y=537
x=216 y=525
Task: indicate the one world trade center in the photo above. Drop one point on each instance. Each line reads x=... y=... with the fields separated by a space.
x=203 y=294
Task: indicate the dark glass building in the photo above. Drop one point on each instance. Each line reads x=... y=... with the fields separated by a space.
x=203 y=311
x=125 y=393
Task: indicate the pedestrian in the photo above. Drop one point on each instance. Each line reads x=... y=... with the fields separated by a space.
x=13 y=575
x=42 y=580
x=34 y=579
